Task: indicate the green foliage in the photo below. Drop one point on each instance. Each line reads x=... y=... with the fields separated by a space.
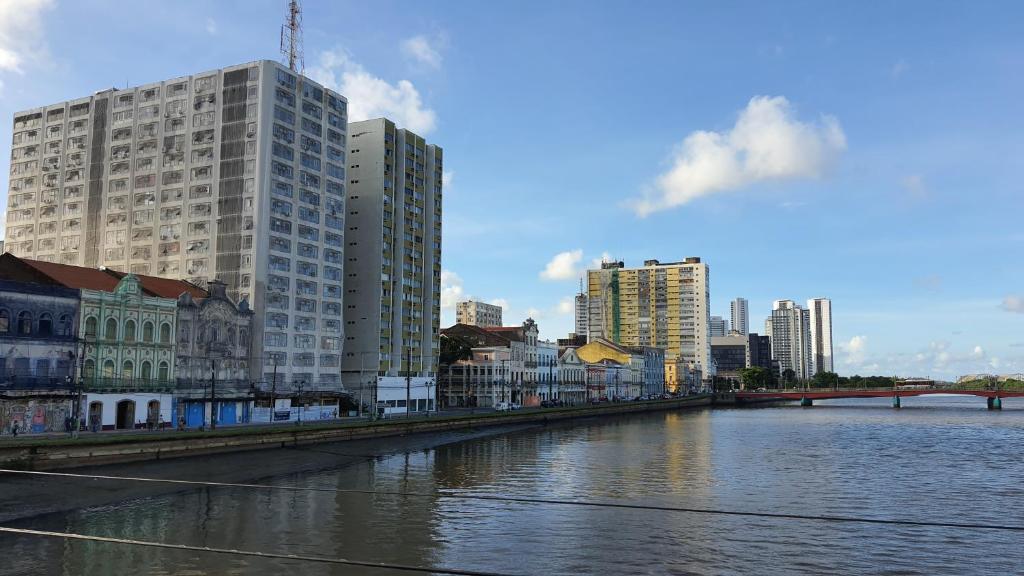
x=454 y=349
x=825 y=380
x=756 y=377
x=857 y=381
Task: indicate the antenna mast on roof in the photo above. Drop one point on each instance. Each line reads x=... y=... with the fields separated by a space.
x=291 y=37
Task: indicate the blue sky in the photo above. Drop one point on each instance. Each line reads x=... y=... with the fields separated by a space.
x=866 y=152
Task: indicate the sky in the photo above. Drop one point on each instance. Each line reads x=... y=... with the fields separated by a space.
x=870 y=153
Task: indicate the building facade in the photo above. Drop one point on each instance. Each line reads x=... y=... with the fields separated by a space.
x=581 y=316
x=718 y=326
x=663 y=305
x=789 y=328
x=740 y=316
x=394 y=227
x=478 y=314
x=731 y=354
x=214 y=342
x=820 y=319
x=236 y=174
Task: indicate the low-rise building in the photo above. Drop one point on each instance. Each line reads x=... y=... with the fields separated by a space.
x=572 y=377
x=653 y=369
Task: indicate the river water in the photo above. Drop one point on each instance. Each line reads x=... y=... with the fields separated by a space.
x=939 y=459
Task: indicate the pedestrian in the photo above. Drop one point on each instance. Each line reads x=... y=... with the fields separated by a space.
x=14 y=428
x=181 y=423
x=161 y=422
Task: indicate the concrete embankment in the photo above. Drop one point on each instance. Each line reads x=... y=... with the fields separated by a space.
x=50 y=454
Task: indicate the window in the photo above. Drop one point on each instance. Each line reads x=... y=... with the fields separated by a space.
x=277 y=320
x=307 y=179
x=309 y=214
x=280 y=244
x=305 y=287
x=280 y=207
x=280 y=264
x=307 y=250
x=283 y=115
x=310 y=91
x=46 y=324
x=283 y=151
x=91 y=327
x=284 y=97
x=310 y=126
x=307 y=233
x=282 y=170
x=165 y=333
x=110 y=332
x=311 y=162
x=332 y=239
x=284 y=133
x=285 y=79
x=306 y=268
x=147 y=332
x=164 y=371
x=335 y=137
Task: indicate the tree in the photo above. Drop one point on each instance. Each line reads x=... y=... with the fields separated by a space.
x=454 y=349
x=755 y=377
x=788 y=377
x=825 y=380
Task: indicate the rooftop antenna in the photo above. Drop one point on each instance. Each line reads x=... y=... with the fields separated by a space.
x=291 y=37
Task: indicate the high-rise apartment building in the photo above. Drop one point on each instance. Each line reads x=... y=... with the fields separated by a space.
x=393 y=265
x=478 y=314
x=582 y=309
x=789 y=328
x=739 y=316
x=660 y=304
x=719 y=326
x=236 y=174
x=820 y=310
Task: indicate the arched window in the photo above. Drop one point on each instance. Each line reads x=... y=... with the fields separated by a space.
x=243 y=338
x=5 y=321
x=25 y=323
x=129 y=331
x=45 y=324
x=164 y=370
x=65 y=325
x=165 y=333
x=89 y=369
x=128 y=370
x=147 y=370
x=90 y=327
x=110 y=332
x=147 y=332
x=108 y=368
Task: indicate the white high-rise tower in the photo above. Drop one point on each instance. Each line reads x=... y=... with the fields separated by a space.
x=740 y=318
x=821 y=334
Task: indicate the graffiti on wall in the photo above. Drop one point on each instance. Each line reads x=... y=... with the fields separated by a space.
x=32 y=415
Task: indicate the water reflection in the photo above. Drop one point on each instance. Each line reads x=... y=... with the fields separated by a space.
x=934 y=459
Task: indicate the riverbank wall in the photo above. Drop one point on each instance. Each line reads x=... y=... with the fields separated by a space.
x=57 y=453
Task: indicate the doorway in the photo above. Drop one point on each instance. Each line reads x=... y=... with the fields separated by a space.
x=125 y=415
x=95 y=415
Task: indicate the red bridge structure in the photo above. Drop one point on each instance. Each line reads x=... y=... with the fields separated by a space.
x=807 y=397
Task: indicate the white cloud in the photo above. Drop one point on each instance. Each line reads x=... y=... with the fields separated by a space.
x=563 y=266
x=978 y=353
x=914 y=184
x=534 y=313
x=899 y=68
x=446 y=178
x=605 y=257
x=1014 y=303
x=766 y=143
x=211 y=26
x=567 y=305
x=500 y=302
x=21 y=33
x=424 y=50
x=372 y=97
x=854 y=350
x=451 y=289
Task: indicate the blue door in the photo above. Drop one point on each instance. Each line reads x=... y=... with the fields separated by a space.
x=194 y=415
x=228 y=413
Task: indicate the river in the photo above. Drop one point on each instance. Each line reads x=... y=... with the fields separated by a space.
x=936 y=459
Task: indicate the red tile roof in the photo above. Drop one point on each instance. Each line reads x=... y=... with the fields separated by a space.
x=106 y=280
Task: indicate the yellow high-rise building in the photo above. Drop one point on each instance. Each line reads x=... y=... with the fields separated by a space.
x=665 y=305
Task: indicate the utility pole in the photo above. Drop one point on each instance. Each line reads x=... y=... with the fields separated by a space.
x=551 y=366
x=213 y=395
x=408 y=378
x=273 y=392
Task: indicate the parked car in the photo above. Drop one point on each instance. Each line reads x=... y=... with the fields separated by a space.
x=514 y=406
x=502 y=406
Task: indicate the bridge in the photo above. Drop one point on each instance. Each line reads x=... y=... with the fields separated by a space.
x=807 y=397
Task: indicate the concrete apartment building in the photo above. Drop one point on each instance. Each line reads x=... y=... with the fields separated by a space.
x=582 y=309
x=789 y=329
x=739 y=316
x=664 y=305
x=718 y=326
x=236 y=174
x=393 y=266
x=820 y=320
x=478 y=314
